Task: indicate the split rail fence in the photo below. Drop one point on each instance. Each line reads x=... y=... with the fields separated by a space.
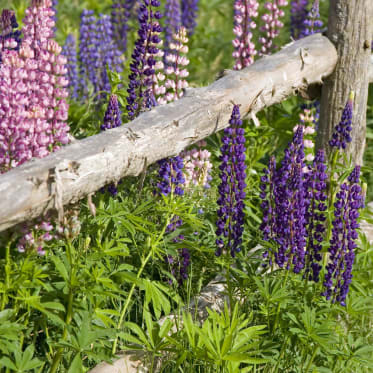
x=84 y=166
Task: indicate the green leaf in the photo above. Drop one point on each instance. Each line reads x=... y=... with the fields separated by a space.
x=77 y=365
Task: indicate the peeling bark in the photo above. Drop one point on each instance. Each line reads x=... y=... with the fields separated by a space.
x=85 y=166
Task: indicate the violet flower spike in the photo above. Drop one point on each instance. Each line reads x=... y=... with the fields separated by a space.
x=341 y=135
x=140 y=93
x=290 y=204
x=189 y=12
x=232 y=187
x=172 y=21
x=244 y=12
x=171 y=176
x=120 y=16
x=298 y=16
x=312 y=24
x=342 y=244
x=112 y=118
x=69 y=51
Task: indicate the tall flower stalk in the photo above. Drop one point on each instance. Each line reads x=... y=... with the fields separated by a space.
x=33 y=107
x=120 y=16
x=272 y=24
x=189 y=12
x=342 y=244
x=298 y=17
x=232 y=187
x=70 y=52
x=97 y=51
x=140 y=93
x=244 y=49
x=172 y=19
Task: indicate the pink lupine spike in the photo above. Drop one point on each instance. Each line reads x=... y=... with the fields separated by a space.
x=244 y=49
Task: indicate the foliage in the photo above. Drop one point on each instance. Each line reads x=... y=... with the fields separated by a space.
x=108 y=286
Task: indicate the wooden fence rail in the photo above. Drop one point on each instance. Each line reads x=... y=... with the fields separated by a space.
x=85 y=166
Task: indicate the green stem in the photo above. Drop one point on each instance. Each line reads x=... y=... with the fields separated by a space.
x=281 y=353
x=229 y=285
x=69 y=314
x=279 y=304
x=124 y=310
x=311 y=360
x=7 y=274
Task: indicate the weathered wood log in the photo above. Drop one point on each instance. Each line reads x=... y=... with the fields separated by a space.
x=353 y=41
x=85 y=166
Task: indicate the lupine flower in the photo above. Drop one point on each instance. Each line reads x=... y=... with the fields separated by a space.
x=97 y=51
x=298 y=16
x=315 y=186
x=175 y=70
x=342 y=244
x=197 y=166
x=272 y=24
x=140 y=92
x=341 y=135
x=244 y=48
x=33 y=108
x=33 y=239
x=120 y=15
x=10 y=37
x=307 y=121
x=232 y=187
x=290 y=207
x=189 y=10
x=69 y=51
x=172 y=18
x=113 y=114
x=312 y=23
x=171 y=176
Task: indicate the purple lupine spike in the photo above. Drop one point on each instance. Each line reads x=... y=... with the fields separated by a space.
x=312 y=23
x=69 y=51
x=298 y=15
x=171 y=176
x=10 y=37
x=290 y=207
x=172 y=17
x=87 y=54
x=140 y=93
x=189 y=11
x=97 y=51
x=113 y=114
x=338 y=275
x=272 y=24
x=315 y=186
x=341 y=135
x=120 y=15
x=244 y=12
x=232 y=187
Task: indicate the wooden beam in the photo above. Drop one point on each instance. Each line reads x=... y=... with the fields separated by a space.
x=350 y=28
x=85 y=166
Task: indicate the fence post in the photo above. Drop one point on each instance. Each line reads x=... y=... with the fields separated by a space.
x=350 y=29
